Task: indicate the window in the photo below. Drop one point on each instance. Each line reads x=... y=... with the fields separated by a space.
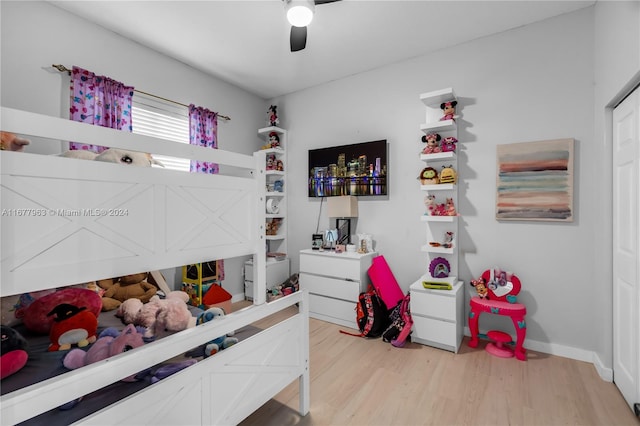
x=156 y=117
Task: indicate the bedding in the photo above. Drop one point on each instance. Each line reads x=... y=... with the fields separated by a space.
x=153 y=219
x=43 y=365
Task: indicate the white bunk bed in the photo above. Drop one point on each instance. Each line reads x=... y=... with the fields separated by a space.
x=172 y=219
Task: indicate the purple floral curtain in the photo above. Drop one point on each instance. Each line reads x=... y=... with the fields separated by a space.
x=101 y=101
x=203 y=131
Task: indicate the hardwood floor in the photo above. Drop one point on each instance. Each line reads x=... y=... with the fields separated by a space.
x=356 y=381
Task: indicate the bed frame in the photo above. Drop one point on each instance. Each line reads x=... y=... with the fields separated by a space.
x=69 y=221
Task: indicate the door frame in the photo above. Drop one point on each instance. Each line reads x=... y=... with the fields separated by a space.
x=626 y=90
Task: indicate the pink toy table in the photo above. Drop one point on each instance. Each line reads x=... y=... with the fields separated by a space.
x=516 y=311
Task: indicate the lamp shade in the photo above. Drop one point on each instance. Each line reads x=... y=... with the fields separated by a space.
x=343 y=206
x=299 y=12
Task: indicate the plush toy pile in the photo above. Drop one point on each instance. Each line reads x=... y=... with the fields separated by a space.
x=117 y=290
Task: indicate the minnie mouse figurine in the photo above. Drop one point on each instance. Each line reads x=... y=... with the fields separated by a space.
x=433 y=143
x=449 y=110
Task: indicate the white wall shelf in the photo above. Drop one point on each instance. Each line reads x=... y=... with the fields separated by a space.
x=275 y=190
x=438 y=187
x=439 y=156
x=438 y=314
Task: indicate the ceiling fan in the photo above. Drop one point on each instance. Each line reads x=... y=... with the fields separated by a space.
x=299 y=14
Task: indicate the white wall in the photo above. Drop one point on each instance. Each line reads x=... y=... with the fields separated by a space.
x=532 y=83
x=37 y=34
x=617 y=70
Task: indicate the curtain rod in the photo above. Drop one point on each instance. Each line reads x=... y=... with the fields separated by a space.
x=62 y=68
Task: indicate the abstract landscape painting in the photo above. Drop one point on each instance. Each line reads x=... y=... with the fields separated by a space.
x=535 y=181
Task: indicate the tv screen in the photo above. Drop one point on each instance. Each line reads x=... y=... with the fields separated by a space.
x=355 y=169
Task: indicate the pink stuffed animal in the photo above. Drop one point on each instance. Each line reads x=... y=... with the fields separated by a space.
x=449 y=144
x=173 y=316
x=433 y=143
x=110 y=343
x=449 y=110
x=133 y=311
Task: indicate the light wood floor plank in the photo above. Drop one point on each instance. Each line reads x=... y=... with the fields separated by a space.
x=356 y=381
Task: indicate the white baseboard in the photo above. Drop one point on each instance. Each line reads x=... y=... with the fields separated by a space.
x=578 y=354
x=237 y=297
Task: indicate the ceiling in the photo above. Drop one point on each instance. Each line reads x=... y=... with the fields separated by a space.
x=246 y=43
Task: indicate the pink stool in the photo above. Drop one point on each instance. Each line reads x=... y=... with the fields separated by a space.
x=498 y=348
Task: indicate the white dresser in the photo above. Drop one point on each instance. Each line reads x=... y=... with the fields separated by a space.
x=438 y=316
x=334 y=281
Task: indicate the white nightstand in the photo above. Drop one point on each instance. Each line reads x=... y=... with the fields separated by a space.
x=438 y=316
x=334 y=281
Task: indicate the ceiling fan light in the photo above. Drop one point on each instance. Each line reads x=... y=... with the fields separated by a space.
x=299 y=12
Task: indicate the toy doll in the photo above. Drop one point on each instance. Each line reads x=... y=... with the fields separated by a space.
x=433 y=143
x=272 y=116
x=449 y=110
x=274 y=140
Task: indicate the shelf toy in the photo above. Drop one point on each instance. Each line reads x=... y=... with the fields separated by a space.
x=429 y=176
x=439 y=267
x=443 y=209
x=448 y=144
x=272 y=116
x=449 y=110
x=448 y=175
x=448 y=241
x=433 y=143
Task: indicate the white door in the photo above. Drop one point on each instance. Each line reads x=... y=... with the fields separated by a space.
x=626 y=290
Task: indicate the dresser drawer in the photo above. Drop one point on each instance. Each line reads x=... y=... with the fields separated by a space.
x=330 y=287
x=333 y=265
x=434 y=330
x=336 y=311
x=433 y=305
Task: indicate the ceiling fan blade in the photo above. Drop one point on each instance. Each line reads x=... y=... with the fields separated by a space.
x=298 y=38
x=317 y=2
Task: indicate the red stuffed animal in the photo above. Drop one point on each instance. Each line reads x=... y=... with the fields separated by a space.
x=72 y=325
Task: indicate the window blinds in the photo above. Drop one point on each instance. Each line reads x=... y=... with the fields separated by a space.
x=162 y=119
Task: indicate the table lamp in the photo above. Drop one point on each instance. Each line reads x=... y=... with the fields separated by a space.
x=343 y=208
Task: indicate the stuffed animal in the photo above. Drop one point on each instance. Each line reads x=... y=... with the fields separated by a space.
x=35 y=307
x=129 y=286
x=448 y=175
x=129 y=310
x=220 y=343
x=272 y=116
x=111 y=342
x=448 y=110
x=173 y=316
x=274 y=140
x=433 y=143
x=10 y=142
x=14 y=353
x=429 y=176
x=133 y=311
x=271 y=162
x=449 y=144
x=114 y=155
x=73 y=325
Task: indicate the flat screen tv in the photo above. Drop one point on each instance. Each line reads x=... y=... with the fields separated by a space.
x=356 y=169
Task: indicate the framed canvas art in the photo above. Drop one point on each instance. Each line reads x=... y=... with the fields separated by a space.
x=535 y=181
